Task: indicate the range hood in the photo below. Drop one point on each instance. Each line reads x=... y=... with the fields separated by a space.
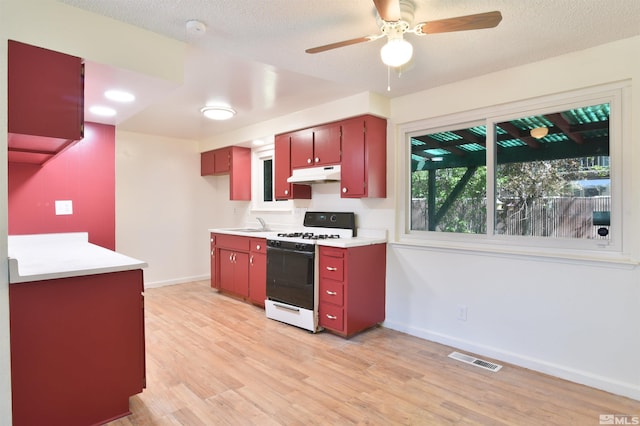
x=315 y=175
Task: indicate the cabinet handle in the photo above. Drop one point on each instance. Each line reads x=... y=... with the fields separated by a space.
x=231 y=258
x=344 y=190
x=331 y=268
x=258 y=247
x=286 y=192
x=308 y=160
x=332 y=317
x=211 y=252
x=317 y=160
x=251 y=260
x=331 y=293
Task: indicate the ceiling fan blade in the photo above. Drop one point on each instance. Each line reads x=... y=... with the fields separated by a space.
x=461 y=23
x=389 y=10
x=341 y=44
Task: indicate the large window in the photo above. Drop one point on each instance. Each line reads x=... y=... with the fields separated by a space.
x=541 y=173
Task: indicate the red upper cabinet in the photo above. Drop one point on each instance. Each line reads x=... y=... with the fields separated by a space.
x=364 y=158
x=327 y=145
x=319 y=146
x=301 y=148
x=45 y=102
x=282 y=158
x=234 y=161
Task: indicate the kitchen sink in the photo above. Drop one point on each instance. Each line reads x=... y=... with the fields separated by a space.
x=248 y=230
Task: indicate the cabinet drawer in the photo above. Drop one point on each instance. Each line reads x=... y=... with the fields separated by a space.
x=331 y=317
x=332 y=267
x=232 y=242
x=331 y=292
x=259 y=245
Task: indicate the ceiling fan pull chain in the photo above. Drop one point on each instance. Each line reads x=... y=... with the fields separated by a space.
x=388 y=78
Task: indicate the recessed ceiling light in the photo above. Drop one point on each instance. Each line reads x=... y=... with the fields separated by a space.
x=102 y=111
x=119 y=96
x=218 y=112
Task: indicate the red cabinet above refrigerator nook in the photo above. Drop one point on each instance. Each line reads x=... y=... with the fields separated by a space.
x=45 y=102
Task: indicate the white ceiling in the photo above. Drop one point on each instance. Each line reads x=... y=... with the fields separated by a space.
x=252 y=55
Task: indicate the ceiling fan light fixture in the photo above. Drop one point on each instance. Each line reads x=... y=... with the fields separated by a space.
x=396 y=52
x=539 y=132
x=218 y=112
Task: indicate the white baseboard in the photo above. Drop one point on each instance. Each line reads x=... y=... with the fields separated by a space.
x=182 y=280
x=586 y=378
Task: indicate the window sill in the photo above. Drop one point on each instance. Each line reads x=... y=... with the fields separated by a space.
x=496 y=249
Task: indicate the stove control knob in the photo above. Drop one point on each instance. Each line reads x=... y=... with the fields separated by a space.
x=333 y=218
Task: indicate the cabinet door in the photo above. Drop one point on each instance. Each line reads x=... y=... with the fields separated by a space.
x=241 y=274
x=227 y=270
x=222 y=160
x=48 y=85
x=214 y=280
x=302 y=149
x=240 y=170
x=282 y=162
x=207 y=163
x=282 y=159
x=258 y=278
x=326 y=145
x=353 y=175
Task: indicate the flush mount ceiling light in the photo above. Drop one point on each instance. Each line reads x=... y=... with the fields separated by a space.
x=119 y=96
x=539 y=132
x=218 y=112
x=102 y=111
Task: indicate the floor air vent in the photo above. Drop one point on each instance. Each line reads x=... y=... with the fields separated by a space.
x=475 y=361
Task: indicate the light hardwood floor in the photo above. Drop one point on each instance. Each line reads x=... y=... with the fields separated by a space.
x=213 y=360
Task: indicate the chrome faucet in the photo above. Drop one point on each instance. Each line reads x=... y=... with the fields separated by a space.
x=263 y=224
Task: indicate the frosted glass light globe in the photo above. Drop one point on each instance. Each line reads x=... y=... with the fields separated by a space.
x=396 y=52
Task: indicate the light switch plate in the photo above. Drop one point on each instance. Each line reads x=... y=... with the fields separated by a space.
x=64 y=207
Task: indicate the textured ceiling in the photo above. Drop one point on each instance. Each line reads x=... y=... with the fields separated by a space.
x=252 y=54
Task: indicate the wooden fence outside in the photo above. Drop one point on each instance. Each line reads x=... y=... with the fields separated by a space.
x=555 y=217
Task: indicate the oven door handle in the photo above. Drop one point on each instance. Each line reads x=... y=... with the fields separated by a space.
x=275 y=250
x=288 y=308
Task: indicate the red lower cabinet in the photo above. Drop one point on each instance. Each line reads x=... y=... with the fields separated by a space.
x=352 y=288
x=77 y=348
x=258 y=271
x=239 y=266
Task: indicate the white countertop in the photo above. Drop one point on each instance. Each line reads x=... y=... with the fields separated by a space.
x=48 y=256
x=365 y=236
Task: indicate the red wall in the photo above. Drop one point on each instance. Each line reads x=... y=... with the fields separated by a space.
x=84 y=173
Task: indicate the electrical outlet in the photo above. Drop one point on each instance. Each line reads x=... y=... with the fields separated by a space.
x=64 y=207
x=462 y=312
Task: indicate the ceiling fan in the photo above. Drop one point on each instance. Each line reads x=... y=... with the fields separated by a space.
x=395 y=21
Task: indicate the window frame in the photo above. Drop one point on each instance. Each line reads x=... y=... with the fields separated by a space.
x=616 y=94
x=258 y=156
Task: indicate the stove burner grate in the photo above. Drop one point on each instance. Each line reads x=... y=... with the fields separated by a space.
x=308 y=235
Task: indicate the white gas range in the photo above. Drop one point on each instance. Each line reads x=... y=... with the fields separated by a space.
x=292 y=267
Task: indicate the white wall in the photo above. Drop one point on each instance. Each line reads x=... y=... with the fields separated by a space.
x=163 y=206
x=575 y=319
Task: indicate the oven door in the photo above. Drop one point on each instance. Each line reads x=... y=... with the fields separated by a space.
x=290 y=277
